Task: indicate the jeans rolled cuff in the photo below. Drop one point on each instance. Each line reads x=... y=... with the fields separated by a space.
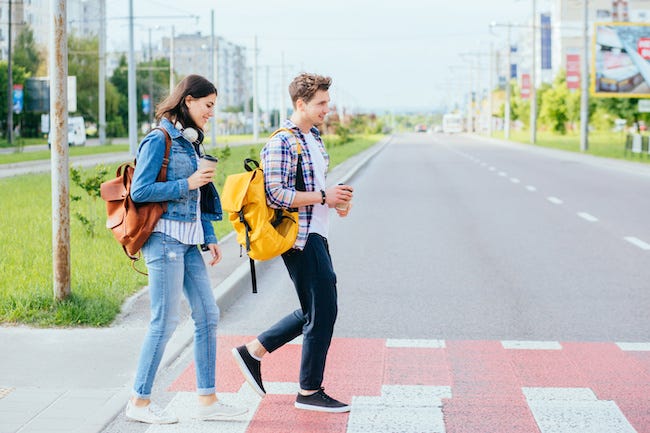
x=206 y=391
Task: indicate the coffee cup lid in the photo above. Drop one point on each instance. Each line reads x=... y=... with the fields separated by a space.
x=210 y=158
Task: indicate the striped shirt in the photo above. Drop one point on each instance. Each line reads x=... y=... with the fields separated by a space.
x=280 y=160
x=185 y=232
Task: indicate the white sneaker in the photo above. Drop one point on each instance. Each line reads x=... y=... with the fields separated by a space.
x=151 y=414
x=219 y=411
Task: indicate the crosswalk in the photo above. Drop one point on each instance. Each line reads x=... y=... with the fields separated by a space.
x=438 y=386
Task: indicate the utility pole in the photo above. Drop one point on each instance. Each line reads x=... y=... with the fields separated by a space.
x=150 y=77
x=213 y=77
x=506 y=120
x=10 y=85
x=584 y=99
x=102 y=72
x=533 y=79
x=283 y=95
x=133 y=113
x=59 y=156
x=256 y=115
x=171 y=61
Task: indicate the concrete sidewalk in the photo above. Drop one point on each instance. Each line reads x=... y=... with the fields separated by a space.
x=78 y=380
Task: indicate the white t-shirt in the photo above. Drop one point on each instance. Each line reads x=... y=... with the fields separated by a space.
x=320 y=216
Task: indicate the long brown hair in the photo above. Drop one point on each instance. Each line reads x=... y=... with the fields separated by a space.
x=174 y=107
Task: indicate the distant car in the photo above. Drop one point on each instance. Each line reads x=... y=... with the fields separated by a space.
x=421 y=128
x=76 y=132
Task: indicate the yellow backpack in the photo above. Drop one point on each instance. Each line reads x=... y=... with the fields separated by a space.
x=265 y=232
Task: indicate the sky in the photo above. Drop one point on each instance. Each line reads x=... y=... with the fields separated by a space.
x=383 y=55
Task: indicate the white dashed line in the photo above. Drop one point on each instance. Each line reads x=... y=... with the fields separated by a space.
x=588 y=217
x=514 y=180
x=503 y=174
x=554 y=200
x=492 y=168
x=531 y=188
x=638 y=242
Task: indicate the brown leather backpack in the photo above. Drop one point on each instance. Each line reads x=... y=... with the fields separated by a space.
x=130 y=222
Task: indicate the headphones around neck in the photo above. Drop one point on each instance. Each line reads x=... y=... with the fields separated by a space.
x=192 y=135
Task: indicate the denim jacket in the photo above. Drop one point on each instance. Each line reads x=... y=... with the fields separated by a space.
x=181 y=202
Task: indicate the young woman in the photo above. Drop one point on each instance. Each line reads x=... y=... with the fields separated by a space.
x=174 y=262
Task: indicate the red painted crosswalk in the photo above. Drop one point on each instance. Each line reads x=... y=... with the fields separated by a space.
x=468 y=386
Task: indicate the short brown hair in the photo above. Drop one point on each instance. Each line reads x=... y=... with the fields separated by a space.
x=305 y=86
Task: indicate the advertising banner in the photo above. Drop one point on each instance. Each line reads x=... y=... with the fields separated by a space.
x=573 y=71
x=18 y=98
x=525 y=86
x=621 y=60
x=545 y=20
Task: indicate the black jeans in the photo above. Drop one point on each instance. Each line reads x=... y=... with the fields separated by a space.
x=315 y=281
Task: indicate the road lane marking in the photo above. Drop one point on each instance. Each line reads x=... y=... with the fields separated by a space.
x=588 y=217
x=575 y=410
x=531 y=188
x=638 y=242
x=634 y=347
x=503 y=174
x=531 y=345
x=514 y=180
x=406 y=409
x=554 y=200
x=430 y=344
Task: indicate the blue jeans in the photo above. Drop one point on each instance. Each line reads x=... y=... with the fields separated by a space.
x=313 y=276
x=174 y=267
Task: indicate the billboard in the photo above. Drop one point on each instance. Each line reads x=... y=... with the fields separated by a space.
x=621 y=60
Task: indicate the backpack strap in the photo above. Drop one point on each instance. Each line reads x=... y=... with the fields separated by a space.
x=300 y=177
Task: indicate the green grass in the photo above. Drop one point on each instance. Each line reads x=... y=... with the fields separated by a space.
x=604 y=144
x=101 y=276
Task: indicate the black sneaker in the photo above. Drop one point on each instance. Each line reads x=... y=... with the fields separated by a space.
x=250 y=368
x=321 y=402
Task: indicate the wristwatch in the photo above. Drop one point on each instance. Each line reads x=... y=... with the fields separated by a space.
x=322 y=193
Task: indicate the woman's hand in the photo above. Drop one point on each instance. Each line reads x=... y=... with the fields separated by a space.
x=215 y=251
x=200 y=177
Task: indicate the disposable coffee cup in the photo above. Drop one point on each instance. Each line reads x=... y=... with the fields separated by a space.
x=208 y=161
x=343 y=206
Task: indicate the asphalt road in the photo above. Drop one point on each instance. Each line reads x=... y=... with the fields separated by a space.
x=456 y=238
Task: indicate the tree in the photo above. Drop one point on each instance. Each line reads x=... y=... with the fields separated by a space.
x=83 y=62
x=26 y=53
x=18 y=75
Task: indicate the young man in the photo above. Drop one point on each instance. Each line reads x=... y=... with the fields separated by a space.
x=309 y=262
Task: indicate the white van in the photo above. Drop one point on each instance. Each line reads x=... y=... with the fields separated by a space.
x=76 y=130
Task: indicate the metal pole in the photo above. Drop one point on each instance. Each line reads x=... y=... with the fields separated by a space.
x=213 y=74
x=150 y=77
x=584 y=99
x=256 y=114
x=10 y=84
x=59 y=155
x=102 y=72
x=533 y=82
x=267 y=116
x=171 y=61
x=133 y=114
x=490 y=89
x=283 y=96
x=506 y=121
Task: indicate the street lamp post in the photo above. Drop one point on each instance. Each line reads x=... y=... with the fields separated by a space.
x=533 y=79
x=584 y=97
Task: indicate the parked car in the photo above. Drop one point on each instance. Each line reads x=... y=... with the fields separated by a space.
x=76 y=132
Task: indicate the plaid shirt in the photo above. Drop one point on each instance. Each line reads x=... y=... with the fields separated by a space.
x=280 y=161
